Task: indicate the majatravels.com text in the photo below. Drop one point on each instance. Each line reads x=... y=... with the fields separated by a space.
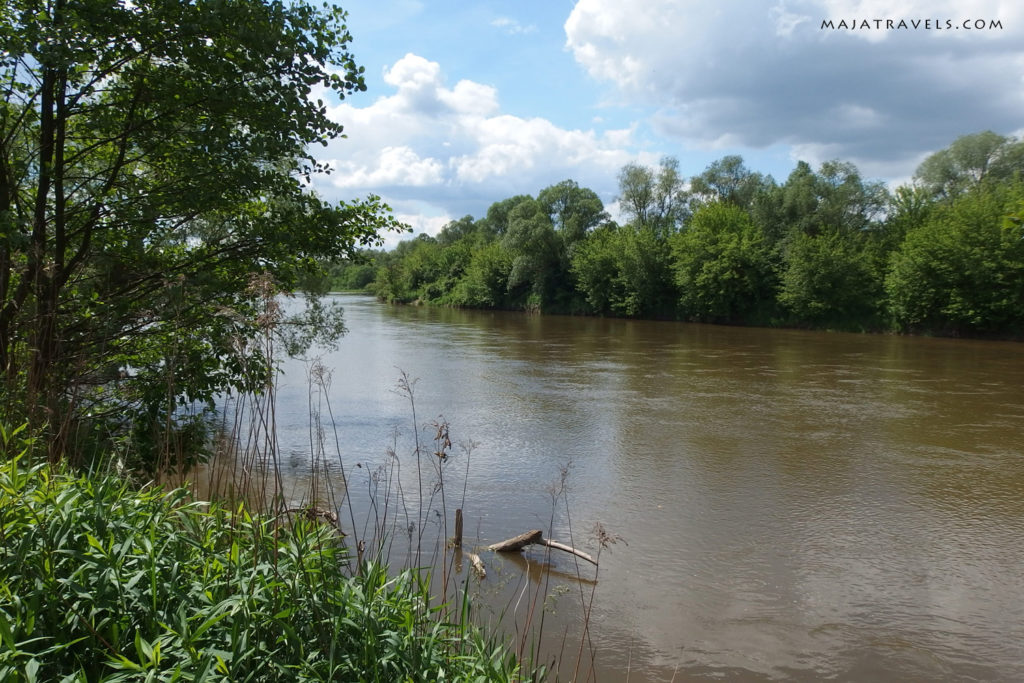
x=911 y=24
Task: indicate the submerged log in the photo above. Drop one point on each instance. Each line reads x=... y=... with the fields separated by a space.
x=569 y=549
x=537 y=537
x=519 y=542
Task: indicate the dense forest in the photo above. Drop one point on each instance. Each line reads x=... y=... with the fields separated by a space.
x=825 y=249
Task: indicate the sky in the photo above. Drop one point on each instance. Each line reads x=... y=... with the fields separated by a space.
x=468 y=103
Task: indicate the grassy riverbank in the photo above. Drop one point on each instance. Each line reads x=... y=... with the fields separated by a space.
x=102 y=581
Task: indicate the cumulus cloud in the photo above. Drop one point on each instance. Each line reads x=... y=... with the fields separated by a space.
x=755 y=73
x=453 y=149
x=394 y=166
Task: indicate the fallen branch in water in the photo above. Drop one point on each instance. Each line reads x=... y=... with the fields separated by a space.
x=536 y=537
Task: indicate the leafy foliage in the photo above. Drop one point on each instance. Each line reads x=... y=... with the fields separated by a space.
x=153 y=158
x=722 y=265
x=654 y=199
x=969 y=161
x=100 y=582
x=829 y=281
x=728 y=180
x=962 y=270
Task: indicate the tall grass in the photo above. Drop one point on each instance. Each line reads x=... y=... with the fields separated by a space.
x=100 y=581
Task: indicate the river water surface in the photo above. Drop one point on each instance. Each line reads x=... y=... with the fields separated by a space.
x=797 y=505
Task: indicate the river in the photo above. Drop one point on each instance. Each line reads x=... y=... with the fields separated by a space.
x=792 y=505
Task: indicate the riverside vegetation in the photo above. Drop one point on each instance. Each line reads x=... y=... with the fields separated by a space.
x=103 y=581
x=825 y=249
x=154 y=209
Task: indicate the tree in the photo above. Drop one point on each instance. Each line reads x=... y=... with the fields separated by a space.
x=728 y=180
x=595 y=267
x=722 y=266
x=534 y=247
x=573 y=210
x=962 y=270
x=655 y=200
x=835 y=198
x=454 y=231
x=969 y=161
x=153 y=158
x=496 y=221
x=625 y=271
x=829 y=280
x=485 y=284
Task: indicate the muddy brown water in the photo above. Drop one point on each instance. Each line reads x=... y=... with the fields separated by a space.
x=792 y=505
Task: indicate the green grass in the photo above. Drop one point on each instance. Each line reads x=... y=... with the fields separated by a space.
x=101 y=581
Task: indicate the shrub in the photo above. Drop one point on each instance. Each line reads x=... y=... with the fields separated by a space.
x=103 y=582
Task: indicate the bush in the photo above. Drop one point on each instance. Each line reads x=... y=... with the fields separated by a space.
x=99 y=581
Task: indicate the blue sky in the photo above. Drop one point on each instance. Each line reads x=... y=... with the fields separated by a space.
x=472 y=102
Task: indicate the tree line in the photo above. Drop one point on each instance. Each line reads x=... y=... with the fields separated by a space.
x=824 y=249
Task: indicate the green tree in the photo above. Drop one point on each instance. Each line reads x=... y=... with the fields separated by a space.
x=962 y=270
x=829 y=280
x=728 y=180
x=835 y=198
x=722 y=266
x=595 y=268
x=625 y=271
x=573 y=210
x=535 y=250
x=653 y=199
x=152 y=159
x=460 y=229
x=496 y=221
x=485 y=283
x=969 y=161
x=644 y=286
x=826 y=229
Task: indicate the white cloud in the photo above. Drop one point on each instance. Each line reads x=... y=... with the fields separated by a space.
x=395 y=166
x=421 y=223
x=513 y=27
x=471 y=98
x=454 y=150
x=751 y=73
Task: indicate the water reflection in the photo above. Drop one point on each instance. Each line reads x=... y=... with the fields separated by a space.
x=797 y=505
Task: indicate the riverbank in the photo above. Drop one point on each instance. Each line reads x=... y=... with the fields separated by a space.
x=103 y=581
x=769 y=325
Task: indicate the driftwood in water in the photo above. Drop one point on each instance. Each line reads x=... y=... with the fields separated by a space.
x=477 y=563
x=519 y=542
x=569 y=549
x=537 y=537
